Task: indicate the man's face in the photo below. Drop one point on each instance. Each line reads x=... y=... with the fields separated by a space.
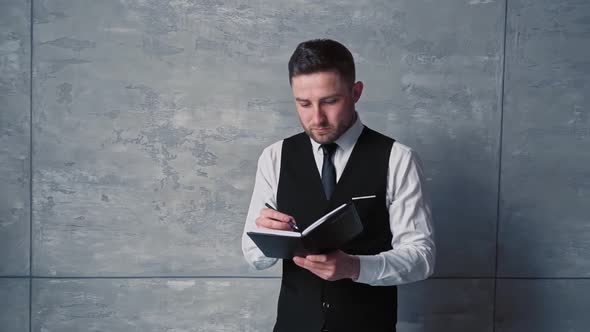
x=325 y=104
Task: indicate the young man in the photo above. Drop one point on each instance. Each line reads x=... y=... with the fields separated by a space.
x=334 y=159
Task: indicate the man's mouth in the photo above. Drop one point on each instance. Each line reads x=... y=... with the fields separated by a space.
x=321 y=128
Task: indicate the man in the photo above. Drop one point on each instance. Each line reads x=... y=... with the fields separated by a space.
x=306 y=175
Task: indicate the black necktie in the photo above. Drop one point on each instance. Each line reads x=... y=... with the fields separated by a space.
x=328 y=170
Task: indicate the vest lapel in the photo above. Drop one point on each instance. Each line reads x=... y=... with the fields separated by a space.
x=349 y=167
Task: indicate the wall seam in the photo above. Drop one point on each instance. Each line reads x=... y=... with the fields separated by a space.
x=271 y=277
x=31 y=168
x=500 y=142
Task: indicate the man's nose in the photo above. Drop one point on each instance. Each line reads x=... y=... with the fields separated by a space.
x=318 y=114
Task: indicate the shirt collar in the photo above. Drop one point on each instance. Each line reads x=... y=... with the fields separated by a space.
x=347 y=140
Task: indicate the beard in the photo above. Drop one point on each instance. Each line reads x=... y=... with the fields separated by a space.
x=324 y=135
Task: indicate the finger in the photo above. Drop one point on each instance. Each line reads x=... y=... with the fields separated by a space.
x=323 y=271
x=303 y=263
x=273 y=214
x=317 y=258
x=314 y=266
x=272 y=224
x=326 y=275
x=300 y=261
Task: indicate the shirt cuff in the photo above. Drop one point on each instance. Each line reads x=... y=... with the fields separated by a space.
x=263 y=263
x=370 y=268
x=257 y=260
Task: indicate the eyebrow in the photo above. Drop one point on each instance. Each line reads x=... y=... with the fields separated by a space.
x=321 y=99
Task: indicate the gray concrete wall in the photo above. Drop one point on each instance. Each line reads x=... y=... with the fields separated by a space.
x=130 y=132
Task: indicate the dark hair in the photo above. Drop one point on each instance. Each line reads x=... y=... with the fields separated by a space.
x=317 y=55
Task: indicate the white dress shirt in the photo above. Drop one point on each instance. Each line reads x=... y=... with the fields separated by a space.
x=413 y=254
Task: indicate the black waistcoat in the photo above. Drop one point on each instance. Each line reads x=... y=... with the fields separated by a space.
x=307 y=302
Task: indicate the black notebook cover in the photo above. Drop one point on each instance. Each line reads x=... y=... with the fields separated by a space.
x=328 y=233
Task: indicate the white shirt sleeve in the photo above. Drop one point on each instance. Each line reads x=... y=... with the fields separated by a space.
x=413 y=255
x=265 y=186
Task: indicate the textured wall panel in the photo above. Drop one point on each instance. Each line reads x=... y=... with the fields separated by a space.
x=446 y=305
x=14 y=305
x=15 y=57
x=150 y=120
x=435 y=87
x=151 y=117
x=545 y=217
x=543 y=305
x=113 y=305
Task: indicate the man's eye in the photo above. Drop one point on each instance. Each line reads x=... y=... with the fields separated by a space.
x=330 y=101
x=304 y=104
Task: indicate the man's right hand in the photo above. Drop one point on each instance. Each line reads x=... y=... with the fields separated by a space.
x=273 y=219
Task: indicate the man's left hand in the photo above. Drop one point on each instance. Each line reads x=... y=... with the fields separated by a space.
x=335 y=265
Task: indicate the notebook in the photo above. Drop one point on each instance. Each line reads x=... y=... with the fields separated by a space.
x=329 y=232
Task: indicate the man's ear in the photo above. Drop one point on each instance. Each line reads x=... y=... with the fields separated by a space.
x=357 y=91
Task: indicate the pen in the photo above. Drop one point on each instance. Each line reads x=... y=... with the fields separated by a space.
x=290 y=222
x=363 y=197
